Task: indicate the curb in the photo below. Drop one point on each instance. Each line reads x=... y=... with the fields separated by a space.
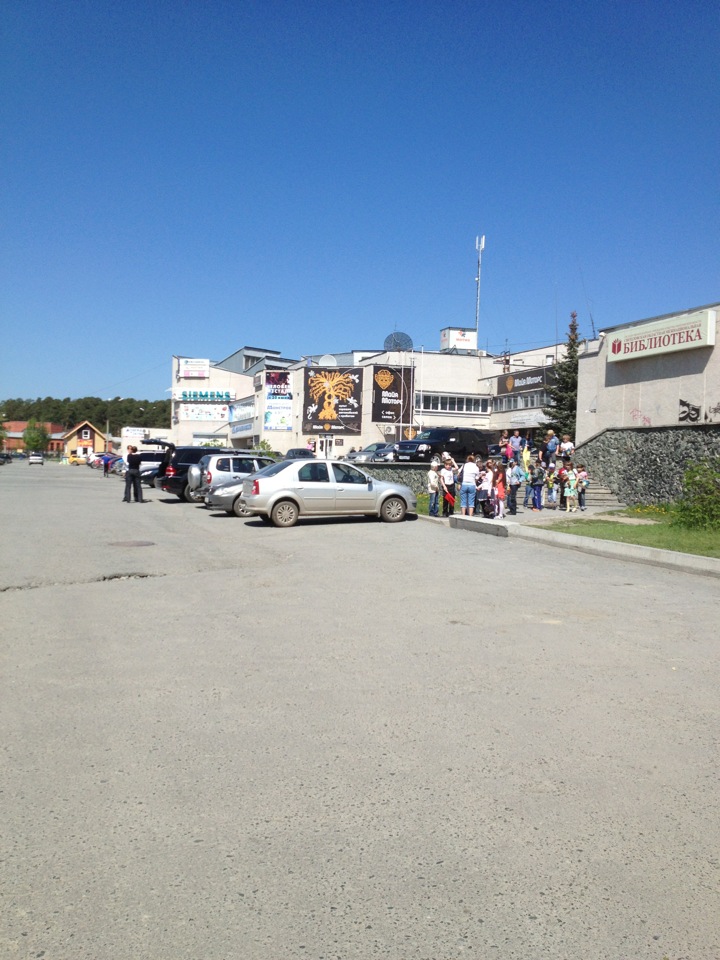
x=668 y=559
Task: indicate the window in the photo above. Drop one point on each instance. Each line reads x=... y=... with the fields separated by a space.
x=85 y=434
x=346 y=474
x=313 y=473
x=223 y=464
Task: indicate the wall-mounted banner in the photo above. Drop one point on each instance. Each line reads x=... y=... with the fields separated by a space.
x=189 y=367
x=332 y=400
x=278 y=400
x=393 y=394
x=242 y=410
x=662 y=336
x=204 y=411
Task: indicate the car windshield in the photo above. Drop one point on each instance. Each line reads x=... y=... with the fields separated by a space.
x=436 y=435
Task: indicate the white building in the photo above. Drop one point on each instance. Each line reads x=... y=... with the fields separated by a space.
x=659 y=372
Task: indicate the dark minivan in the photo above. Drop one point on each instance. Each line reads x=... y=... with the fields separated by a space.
x=457 y=441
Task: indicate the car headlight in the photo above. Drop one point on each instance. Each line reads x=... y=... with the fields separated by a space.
x=423 y=447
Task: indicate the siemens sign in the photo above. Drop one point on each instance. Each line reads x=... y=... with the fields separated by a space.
x=208 y=396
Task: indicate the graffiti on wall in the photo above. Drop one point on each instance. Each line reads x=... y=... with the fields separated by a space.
x=639 y=417
x=712 y=414
x=689 y=412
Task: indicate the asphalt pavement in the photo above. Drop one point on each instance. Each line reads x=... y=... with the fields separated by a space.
x=345 y=740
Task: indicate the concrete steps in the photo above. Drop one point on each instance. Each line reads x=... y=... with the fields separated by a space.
x=599 y=496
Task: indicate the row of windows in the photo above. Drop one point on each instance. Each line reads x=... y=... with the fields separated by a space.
x=520 y=401
x=437 y=401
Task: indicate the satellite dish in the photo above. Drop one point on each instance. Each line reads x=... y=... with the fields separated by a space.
x=398 y=341
x=328 y=360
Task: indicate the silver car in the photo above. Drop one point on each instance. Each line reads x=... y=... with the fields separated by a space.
x=217 y=469
x=286 y=491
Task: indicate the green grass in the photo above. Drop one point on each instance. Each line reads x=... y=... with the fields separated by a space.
x=663 y=535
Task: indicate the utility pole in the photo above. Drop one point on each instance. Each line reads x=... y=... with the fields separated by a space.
x=479 y=246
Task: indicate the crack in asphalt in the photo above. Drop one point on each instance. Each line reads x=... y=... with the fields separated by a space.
x=73 y=583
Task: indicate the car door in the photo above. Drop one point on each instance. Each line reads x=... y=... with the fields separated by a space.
x=314 y=489
x=353 y=493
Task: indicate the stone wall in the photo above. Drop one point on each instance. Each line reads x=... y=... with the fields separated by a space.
x=646 y=464
x=413 y=475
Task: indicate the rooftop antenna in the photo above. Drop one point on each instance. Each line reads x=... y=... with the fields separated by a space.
x=479 y=246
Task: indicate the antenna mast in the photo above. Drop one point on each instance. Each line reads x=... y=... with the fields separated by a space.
x=479 y=246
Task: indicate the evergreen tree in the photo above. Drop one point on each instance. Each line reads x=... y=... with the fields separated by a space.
x=561 y=412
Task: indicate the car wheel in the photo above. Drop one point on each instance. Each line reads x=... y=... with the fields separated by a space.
x=393 y=509
x=240 y=509
x=190 y=495
x=285 y=514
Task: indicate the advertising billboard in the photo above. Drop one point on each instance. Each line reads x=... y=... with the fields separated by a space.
x=191 y=368
x=393 y=394
x=278 y=400
x=332 y=400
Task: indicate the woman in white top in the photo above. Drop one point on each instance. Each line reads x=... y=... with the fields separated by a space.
x=467 y=478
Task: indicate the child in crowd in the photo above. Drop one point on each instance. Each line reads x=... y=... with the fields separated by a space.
x=582 y=484
x=571 y=492
x=551 y=487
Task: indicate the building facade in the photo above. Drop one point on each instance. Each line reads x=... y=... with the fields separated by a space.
x=659 y=372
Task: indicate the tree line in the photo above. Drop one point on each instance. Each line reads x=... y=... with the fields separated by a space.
x=120 y=412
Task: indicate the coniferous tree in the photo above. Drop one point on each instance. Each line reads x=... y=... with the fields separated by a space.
x=562 y=409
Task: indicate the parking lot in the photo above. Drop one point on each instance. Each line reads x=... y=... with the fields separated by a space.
x=347 y=739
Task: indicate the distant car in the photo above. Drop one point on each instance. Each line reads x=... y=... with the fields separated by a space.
x=5 y=458
x=76 y=460
x=36 y=458
x=289 y=490
x=387 y=453
x=299 y=453
x=218 y=469
x=368 y=453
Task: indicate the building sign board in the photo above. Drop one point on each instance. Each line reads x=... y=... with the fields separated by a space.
x=393 y=394
x=458 y=338
x=685 y=332
x=525 y=381
x=190 y=368
x=204 y=396
x=332 y=400
x=242 y=410
x=278 y=400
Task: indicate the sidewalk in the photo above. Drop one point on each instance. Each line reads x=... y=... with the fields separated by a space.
x=537 y=527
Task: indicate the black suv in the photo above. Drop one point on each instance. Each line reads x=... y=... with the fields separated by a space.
x=457 y=441
x=172 y=475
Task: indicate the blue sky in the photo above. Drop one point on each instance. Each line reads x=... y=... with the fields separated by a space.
x=190 y=177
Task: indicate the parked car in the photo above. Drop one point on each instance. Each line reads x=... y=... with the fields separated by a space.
x=457 y=441
x=5 y=458
x=387 y=453
x=367 y=453
x=218 y=469
x=286 y=491
x=36 y=458
x=75 y=459
x=299 y=453
x=172 y=471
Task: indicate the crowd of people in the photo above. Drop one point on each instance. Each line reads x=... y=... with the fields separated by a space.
x=490 y=489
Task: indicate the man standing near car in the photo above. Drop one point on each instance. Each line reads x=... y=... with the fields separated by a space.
x=132 y=476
